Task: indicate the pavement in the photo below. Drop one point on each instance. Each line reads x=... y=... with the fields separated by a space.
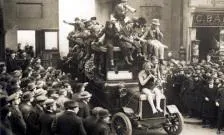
x=192 y=126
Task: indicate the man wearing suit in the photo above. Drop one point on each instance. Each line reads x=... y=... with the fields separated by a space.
x=47 y=117
x=11 y=62
x=220 y=104
x=68 y=123
x=84 y=109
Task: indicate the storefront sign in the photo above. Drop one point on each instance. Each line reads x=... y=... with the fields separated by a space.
x=206 y=3
x=208 y=19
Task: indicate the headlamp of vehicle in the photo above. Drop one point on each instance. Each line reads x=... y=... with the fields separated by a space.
x=128 y=110
x=122 y=92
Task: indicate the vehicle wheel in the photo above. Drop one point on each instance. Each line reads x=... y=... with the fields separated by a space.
x=174 y=124
x=121 y=124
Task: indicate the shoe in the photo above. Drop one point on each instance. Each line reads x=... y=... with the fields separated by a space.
x=112 y=62
x=159 y=109
x=131 y=58
x=139 y=126
x=205 y=126
x=140 y=54
x=127 y=61
x=154 y=111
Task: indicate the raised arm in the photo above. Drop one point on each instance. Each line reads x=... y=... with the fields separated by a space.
x=143 y=80
x=69 y=23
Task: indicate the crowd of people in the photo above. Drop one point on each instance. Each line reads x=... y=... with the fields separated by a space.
x=198 y=89
x=42 y=101
x=37 y=100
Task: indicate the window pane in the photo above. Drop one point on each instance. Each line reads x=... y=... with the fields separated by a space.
x=51 y=40
x=26 y=37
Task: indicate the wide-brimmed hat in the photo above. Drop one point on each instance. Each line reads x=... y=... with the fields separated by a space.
x=155 y=21
x=40 y=92
x=104 y=113
x=41 y=98
x=84 y=95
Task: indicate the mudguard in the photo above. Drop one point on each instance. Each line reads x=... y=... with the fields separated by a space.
x=172 y=109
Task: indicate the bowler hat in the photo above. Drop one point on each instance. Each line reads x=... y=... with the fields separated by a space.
x=71 y=104
x=155 y=21
x=93 y=18
x=26 y=96
x=49 y=102
x=104 y=113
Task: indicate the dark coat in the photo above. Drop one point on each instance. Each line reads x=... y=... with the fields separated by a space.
x=5 y=127
x=17 y=122
x=102 y=128
x=220 y=98
x=46 y=120
x=33 y=125
x=209 y=109
x=84 y=110
x=90 y=124
x=68 y=123
x=25 y=110
x=11 y=65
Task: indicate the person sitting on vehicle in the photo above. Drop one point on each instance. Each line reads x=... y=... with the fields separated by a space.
x=148 y=85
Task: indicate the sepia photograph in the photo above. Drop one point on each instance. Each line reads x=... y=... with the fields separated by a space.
x=112 y=67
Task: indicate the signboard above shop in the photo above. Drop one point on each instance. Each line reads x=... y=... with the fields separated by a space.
x=206 y=3
x=202 y=19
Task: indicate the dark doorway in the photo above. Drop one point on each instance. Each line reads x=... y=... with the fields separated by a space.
x=208 y=36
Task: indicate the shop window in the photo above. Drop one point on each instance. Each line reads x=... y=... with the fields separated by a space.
x=26 y=37
x=51 y=40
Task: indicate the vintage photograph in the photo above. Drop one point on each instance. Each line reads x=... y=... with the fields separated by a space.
x=112 y=67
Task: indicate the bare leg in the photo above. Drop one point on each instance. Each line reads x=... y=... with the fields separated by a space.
x=150 y=99
x=158 y=99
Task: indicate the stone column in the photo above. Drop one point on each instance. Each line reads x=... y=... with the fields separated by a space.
x=185 y=27
x=2 y=32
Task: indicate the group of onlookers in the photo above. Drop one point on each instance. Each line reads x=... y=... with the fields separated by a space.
x=45 y=101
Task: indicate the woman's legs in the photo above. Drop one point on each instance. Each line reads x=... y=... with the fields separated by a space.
x=158 y=98
x=150 y=99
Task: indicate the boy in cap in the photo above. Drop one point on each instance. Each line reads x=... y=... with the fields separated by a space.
x=68 y=123
x=26 y=104
x=33 y=118
x=90 y=121
x=102 y=126
x=62 y=98
x=152 y=34
x=16 y=118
